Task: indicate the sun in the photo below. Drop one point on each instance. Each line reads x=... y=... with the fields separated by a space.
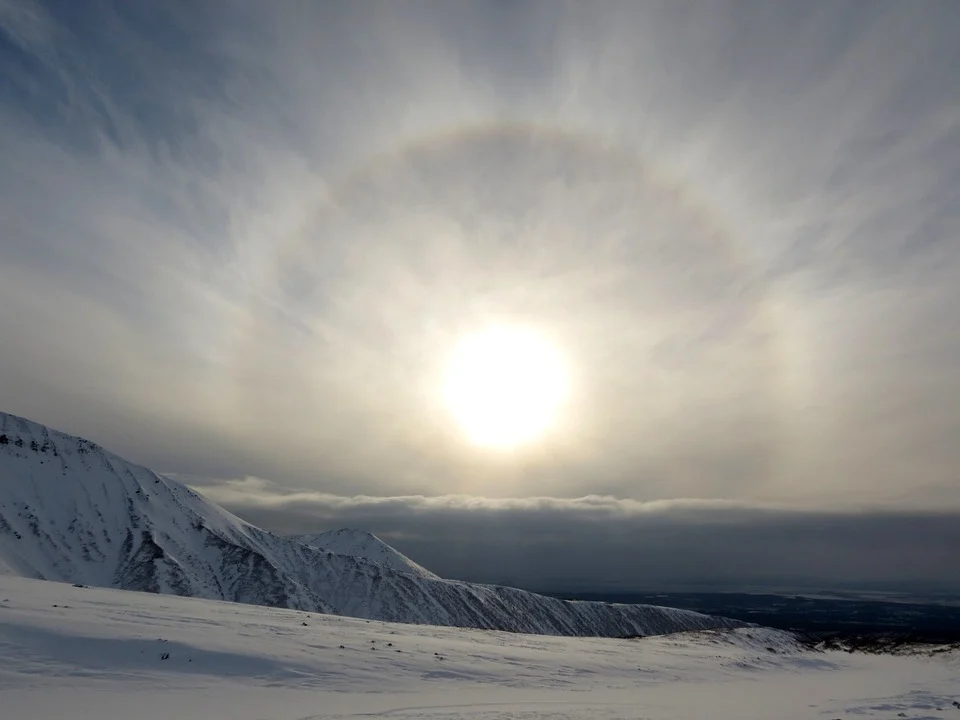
x=505 y=386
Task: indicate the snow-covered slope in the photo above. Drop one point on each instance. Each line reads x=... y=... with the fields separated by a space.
x=71 y=511
x=96 y=654
x=360 y=543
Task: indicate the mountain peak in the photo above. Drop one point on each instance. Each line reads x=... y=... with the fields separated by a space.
x=360 y=543
x=353 y=533
x=20 y=437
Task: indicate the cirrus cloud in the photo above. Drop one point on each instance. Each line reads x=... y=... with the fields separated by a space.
x=240 y=239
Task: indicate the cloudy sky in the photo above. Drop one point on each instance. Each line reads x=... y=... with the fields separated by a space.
x=241 y=240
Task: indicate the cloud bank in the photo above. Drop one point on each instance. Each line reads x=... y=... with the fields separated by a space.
x=601 y=543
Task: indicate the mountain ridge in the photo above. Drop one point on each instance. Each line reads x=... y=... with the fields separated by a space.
x=72 y=511
x=360 y=543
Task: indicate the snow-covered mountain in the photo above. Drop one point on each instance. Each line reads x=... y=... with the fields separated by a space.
x=71 y=511
x=360 y=543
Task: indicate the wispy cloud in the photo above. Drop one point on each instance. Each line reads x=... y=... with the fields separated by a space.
x=240 y=239
x=26 y=23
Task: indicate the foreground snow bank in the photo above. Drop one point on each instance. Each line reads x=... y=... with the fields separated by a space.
x=100 y=654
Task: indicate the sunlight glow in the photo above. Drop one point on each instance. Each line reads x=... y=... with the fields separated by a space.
x=505 y=386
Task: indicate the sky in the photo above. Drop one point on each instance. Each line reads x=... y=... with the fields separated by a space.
x=240 y=241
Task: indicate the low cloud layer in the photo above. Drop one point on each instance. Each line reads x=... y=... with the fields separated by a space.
x=598 y=543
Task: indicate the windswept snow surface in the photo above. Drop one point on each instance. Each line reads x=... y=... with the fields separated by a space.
x=97 y=654
x=359 y=543
x=73 y=512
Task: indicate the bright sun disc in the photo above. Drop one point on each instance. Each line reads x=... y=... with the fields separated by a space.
x=505 y=386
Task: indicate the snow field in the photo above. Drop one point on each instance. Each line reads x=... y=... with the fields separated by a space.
x=91 y=653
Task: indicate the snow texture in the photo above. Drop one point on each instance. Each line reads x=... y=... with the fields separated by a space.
x=97 y=654
x=73 y=512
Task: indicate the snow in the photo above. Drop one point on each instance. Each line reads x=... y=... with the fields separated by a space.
x=359 y=543
x=92 y=653
x=71 y=511
x=74 y=512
